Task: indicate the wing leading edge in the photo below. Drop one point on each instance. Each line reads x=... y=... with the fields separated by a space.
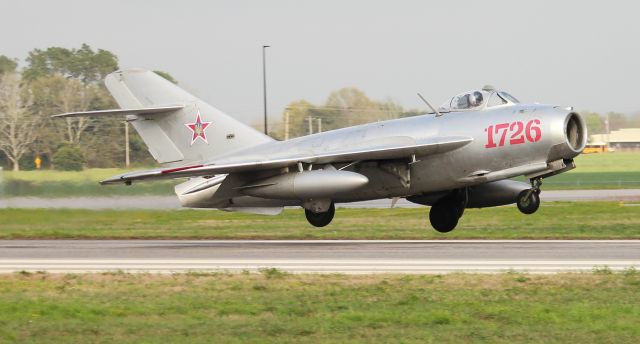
x=420 y=148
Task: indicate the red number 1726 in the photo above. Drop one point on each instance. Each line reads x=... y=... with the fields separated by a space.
x=518 y=130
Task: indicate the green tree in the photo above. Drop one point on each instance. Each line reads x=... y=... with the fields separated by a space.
x=297 y=111
x=594 y=122
x=345 y=107
x=83 y=64
x=138 y=150
x=7 y=65
x=350 y=106
x=57 y=94
x=68 y=158
x=166 y=76
x=69 y=80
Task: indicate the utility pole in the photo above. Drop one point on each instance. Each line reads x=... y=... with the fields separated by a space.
x=286 y=125
x=264 y=85
x=127 y=162
x=607 y=128
x=319 y=125
x=310 y=120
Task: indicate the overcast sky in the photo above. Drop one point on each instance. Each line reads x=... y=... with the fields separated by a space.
x=580 y=53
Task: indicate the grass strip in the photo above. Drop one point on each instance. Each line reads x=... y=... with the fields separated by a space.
x=554 y=220
x=275 y=307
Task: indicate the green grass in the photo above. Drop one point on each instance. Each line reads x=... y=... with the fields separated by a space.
x=554 y=220
x=594 y=171
x=284 y=308
x=93 y=174
x=619 y=170
x=51 y=183
x=608 y=162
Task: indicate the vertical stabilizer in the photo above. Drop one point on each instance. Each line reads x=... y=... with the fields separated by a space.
x=195 y=133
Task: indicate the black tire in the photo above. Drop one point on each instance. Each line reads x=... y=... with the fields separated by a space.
x=321 y=219
x=528 y=205
x=444 y=216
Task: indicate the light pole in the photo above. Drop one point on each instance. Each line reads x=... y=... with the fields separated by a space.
x=264 y=85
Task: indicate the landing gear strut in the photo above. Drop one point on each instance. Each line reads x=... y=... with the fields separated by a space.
x=444 y=215
x=320 y=219
x=529 y=200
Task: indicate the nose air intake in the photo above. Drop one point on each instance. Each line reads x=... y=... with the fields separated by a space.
x=569 y=137
x=575 y=132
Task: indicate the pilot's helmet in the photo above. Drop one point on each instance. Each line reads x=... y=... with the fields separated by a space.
x=475 y=99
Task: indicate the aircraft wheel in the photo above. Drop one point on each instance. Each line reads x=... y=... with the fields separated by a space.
x=321 y=219
x=444 y=216
x=528 y=205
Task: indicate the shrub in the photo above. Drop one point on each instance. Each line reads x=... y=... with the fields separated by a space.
x=68 y=158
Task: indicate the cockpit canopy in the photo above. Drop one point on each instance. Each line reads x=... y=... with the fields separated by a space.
x=487 y=97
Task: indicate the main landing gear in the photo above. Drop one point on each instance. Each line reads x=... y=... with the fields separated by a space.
x=320 y=219
x=444 y=215
x=528 y=201
x=446 y=212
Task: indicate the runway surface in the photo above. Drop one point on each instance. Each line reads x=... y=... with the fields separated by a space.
x=317 y=256
x=171 y=202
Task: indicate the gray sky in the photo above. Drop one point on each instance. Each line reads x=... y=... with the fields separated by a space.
x=580 y=53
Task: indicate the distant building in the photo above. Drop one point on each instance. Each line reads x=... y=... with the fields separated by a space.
x=626 y=139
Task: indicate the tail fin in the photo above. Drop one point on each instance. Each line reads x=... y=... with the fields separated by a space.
x=194 y=133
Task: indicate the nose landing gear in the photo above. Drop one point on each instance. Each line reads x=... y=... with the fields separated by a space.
x=529 y=200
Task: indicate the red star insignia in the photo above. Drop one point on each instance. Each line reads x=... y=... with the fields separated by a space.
x=198 y=128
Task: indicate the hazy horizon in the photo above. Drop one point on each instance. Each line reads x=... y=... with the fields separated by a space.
x=570 y=53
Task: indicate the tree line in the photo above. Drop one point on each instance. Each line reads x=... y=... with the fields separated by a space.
x=343 y=108
x=57 y=80
x=599 y=123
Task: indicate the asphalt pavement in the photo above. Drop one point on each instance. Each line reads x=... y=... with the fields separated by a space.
x=318 y=256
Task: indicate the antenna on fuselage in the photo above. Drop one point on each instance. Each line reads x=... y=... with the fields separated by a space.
x=438 y=114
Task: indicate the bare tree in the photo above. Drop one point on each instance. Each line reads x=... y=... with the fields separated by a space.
x=75 y=96
x=17 y=124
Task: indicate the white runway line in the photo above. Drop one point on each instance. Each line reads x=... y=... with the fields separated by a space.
x=307 y=266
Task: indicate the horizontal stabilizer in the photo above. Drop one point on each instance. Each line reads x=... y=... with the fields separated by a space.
x=123 y=112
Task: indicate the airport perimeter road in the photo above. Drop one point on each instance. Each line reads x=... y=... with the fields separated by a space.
x=326 y=256
x=171 y=202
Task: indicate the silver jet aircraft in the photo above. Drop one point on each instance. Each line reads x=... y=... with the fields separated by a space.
x=462 y=156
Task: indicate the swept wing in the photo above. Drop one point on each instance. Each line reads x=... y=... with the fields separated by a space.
x=237 y=164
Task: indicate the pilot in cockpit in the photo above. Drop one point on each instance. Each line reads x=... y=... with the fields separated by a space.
x=475 y=99
x=470 y=100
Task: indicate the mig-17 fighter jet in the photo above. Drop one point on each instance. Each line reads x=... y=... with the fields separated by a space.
x=461 y=156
